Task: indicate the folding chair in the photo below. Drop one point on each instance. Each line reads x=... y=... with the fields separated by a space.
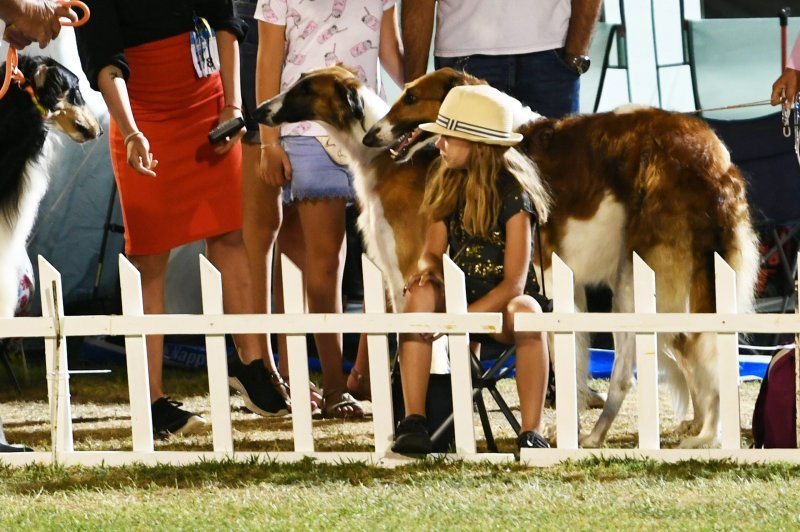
x=485 y=377
x=734 y=61
x=606 y=36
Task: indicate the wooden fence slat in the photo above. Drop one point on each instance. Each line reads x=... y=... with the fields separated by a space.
x=460 y=366
x=644 y=295
x=136 y=359
x=378 y=353
x=216 y=360
x=294 y=303
x=728 y=357
x=55 y=352
x=565 y=363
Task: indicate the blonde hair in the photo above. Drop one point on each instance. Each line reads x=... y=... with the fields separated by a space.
x=478 y=187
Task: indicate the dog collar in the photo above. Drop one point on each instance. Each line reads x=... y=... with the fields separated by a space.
x=27 y=87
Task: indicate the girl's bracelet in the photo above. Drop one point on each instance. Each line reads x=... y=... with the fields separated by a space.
x=231 y=106
x=131 y=135
x=270 y=145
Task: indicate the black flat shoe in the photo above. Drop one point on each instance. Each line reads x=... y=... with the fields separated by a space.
x=411 y=436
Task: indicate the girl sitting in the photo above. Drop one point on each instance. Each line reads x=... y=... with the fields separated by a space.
x=483 y=198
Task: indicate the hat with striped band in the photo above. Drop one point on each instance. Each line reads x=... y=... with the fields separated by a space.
x=479 y=113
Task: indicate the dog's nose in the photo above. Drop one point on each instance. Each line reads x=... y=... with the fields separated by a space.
x=371 y=139
x=262 y=114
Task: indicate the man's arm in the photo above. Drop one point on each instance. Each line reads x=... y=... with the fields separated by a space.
x=581 y=26
x=416 y=20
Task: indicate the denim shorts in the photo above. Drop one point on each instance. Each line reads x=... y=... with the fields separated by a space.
x=314 y=174
x=540 y=80
x=248 y=50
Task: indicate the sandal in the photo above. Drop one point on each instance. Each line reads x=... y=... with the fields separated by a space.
x=358 y=385
x=339 y=409
x=315 y=393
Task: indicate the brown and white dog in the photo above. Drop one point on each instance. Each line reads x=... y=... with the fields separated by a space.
x=389 y=193
x=641 y=180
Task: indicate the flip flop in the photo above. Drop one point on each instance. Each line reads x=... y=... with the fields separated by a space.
x=336 y=410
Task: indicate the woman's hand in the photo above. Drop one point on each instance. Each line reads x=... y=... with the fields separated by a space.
x=139 y=156
x=422 y=277
x=275 y=168
x=228 y=113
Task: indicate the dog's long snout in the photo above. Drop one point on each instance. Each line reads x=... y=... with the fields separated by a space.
x=263 y=113
x=371 y=139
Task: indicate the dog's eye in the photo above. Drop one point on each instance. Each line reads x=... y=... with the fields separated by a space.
x=409 y=98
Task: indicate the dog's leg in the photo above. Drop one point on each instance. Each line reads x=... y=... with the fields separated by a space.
x=624 y=359
x=701 y=353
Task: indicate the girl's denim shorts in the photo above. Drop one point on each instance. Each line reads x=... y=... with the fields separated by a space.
x=314 y=174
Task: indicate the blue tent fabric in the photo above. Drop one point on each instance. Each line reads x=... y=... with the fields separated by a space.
x=601 y=361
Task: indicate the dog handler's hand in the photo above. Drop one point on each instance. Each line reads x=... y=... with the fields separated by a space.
x=37 y=20
x=787 y=84
x=228 y=112
x=275 y=169
x=139 y=156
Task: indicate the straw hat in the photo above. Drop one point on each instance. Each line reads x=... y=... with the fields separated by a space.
x=479 y=113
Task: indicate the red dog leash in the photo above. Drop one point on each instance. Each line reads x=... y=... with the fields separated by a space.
x=12 y=59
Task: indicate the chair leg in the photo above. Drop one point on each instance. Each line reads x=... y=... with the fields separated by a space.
x=484 y=416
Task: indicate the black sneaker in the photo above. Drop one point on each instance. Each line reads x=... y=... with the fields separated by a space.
x=9 y=448
x=532 y=440
x=253 y=383
x=168 y=418
x=411 y=436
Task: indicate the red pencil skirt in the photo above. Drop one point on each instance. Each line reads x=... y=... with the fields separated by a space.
x=196 y=193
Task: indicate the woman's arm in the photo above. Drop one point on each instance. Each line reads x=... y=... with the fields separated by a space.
x=275 y=168
x=228 y=48
x=429 y=265
x=115 y=93
x=390 y=52
x=516 y=262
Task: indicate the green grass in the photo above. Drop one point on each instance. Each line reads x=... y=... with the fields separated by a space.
x=616 y=494
x=429 y=495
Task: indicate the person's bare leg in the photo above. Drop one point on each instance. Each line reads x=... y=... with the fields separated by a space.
x=261 y=221
x=153 y=270
x=227 y=253
x=532 y=365
x=415 y=350
x=290 y=243
x=323 y=224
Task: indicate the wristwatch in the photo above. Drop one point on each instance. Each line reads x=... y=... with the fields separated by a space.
x=578 y=63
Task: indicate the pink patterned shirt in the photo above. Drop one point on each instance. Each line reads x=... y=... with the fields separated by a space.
x=322 y=33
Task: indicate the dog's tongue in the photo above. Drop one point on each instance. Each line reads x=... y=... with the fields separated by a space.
x=401 y=148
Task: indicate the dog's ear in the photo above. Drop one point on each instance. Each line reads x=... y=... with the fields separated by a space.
x=538 y=135
x=40 y=76
x=350 y=94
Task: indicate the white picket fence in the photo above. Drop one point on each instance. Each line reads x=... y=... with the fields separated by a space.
x=55 y=327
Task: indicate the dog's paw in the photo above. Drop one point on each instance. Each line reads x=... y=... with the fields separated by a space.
x=699 y=442
x=590 y=441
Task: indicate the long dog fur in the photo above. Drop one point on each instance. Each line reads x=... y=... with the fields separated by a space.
x=641 y=180
x=24 y=146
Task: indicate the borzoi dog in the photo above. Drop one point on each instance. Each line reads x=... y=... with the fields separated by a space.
x=389 y=193
x=638 y=180
x=50 y=97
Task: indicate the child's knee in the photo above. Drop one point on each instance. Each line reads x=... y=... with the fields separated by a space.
x=523 y=303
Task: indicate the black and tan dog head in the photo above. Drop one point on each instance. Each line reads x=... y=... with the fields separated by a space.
x=418 y=103
x=330 y=95
x=57 y=92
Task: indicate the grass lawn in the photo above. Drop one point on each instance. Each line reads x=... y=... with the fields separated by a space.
x=425 y=495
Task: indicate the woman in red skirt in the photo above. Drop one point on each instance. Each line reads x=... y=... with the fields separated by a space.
x=155 y=64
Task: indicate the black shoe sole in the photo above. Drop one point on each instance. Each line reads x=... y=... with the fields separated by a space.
x=237 y=385
x=412 y=445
